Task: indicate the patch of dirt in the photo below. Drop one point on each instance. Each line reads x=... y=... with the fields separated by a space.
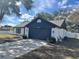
x=66 y=50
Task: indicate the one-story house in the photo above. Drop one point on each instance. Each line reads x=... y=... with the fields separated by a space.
x=6 y=28
x=38 y=28
x=22 y=29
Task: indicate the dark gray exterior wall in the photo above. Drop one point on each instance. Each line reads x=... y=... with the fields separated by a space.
x=40 y=30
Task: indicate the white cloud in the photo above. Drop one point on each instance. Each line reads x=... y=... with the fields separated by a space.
x=11 y=24
x=20 y=20
x=26 y=17
x=64 y=6
x=10 y=18
x=18 y=3
x=64 y=2
x=49 y=3
x=59 y=3
x=9 y=3
x=22 y=9
x=70 y=5
x=42 y=5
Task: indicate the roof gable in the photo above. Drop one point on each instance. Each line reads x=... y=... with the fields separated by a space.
x=43 y=21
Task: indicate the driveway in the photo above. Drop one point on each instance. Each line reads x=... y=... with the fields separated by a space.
x=68 y=49
x=15 y=49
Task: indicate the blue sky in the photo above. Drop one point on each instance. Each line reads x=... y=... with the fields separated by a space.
x=48 y=6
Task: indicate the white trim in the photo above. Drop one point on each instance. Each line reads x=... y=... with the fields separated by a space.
x=27 y=32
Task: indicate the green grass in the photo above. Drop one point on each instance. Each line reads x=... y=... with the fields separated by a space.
x=7 y=36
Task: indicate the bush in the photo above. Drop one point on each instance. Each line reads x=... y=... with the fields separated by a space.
x=52 y=40
x=24 y=37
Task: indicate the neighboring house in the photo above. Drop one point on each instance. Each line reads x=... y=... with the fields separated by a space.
x=38 y=28
x=22 y=29
x=6 y=28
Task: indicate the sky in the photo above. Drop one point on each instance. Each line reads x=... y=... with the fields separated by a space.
x=48 y=6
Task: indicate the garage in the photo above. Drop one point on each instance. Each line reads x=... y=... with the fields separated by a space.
x=39 y=33
x=40 y=28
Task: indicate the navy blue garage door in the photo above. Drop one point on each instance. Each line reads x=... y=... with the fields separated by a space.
x=39 y=33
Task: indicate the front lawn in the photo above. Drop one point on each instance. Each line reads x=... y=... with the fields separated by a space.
x=7 y=36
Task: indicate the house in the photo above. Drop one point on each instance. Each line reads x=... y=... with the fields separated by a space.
x=38 y=28
x=60 y=23
x=6 y=28
x=22 y=29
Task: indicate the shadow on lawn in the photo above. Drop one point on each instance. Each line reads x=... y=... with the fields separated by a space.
x=70 y=43
x=68 y=49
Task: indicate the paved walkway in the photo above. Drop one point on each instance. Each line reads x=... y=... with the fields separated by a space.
x=15 y=49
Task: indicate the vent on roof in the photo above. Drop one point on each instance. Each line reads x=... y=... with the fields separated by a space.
x=39 y=21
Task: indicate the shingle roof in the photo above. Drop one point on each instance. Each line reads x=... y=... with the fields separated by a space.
x=23 y=24
x=57 y=22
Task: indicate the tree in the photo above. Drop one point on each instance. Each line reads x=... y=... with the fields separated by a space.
x=61 y=14
x=7 y=5
x=46 y=16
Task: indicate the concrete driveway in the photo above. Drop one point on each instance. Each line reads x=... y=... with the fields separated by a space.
x=15 y=49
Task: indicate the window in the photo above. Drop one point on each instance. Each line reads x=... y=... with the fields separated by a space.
x=18 y=30
x=39 y=21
